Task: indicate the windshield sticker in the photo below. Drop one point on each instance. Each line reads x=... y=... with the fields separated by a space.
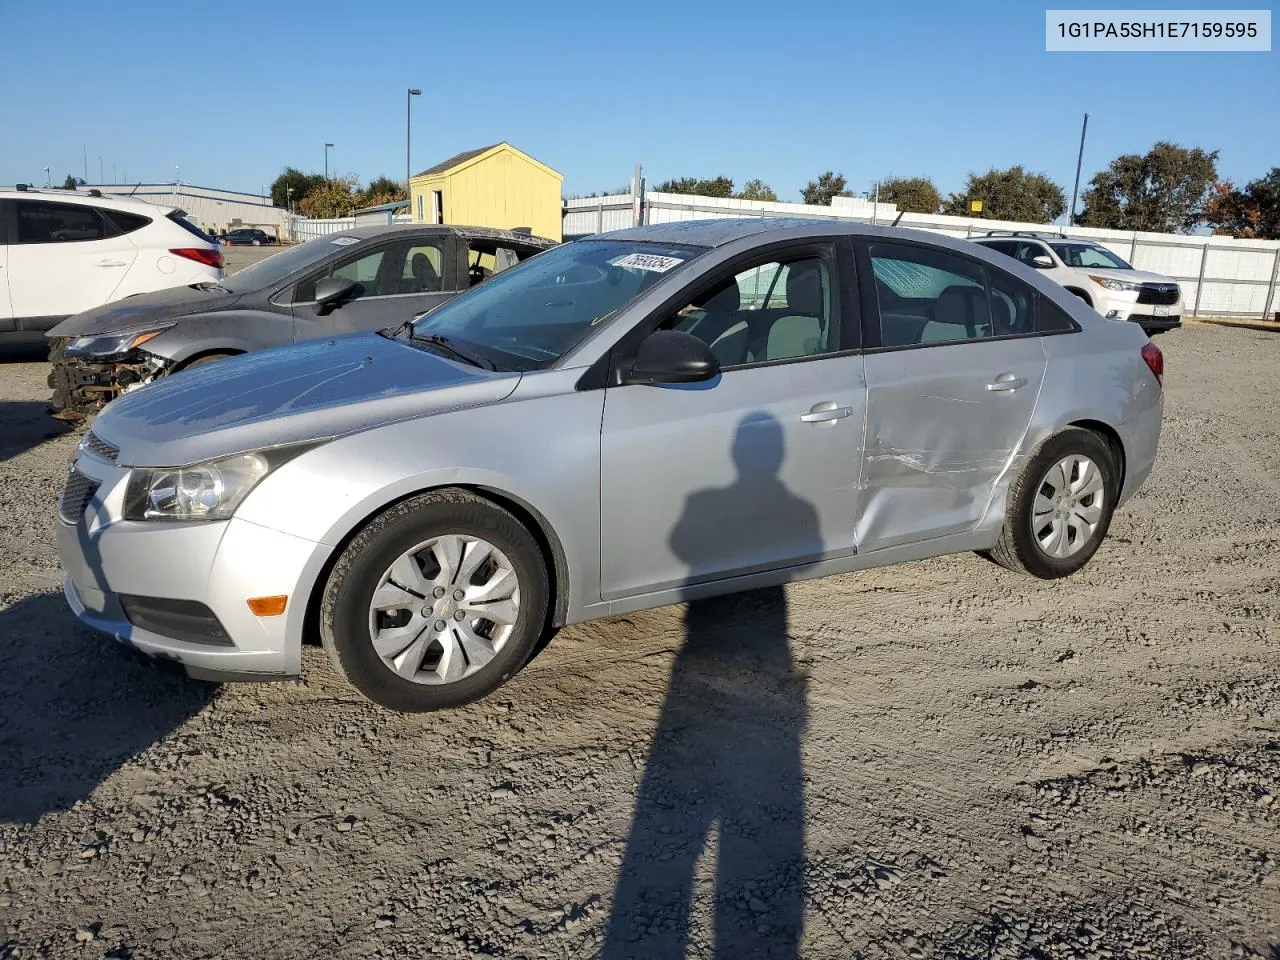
x=344 y=241
x=647 y=261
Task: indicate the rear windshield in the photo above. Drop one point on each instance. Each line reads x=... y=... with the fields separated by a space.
x=180 y=218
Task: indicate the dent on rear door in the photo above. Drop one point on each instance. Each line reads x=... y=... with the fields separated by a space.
x=938 y=441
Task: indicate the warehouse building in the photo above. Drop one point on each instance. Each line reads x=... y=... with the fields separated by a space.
x=495 y=186
x=212 y=209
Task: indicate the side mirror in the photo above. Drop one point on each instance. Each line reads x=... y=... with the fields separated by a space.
x=672 y=356
x=331 y=292
x=1042 y=262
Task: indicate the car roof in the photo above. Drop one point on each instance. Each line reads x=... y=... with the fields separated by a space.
x=718 y=232
x=109 y=200
x=443 y=229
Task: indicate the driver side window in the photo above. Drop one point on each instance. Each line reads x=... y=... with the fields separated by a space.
x=782 y=309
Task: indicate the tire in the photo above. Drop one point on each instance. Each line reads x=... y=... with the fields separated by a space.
x=257 y=243
x=1081 y=294
x=1020 y=547
x=207 y=358
x=365 y=568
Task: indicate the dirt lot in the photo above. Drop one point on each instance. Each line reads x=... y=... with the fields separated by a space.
x=935 y=760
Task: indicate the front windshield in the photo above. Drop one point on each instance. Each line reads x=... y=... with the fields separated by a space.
x=529 y=316
x=273 y=269
x=1087 y=255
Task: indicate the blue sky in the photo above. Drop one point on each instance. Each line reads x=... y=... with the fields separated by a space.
x=234 y=91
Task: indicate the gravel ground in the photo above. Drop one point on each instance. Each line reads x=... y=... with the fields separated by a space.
x=940 y=759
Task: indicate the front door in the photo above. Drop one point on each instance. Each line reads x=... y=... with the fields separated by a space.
x=754 y=470
x=6 y=311
x=950 y=391
x=394 y=281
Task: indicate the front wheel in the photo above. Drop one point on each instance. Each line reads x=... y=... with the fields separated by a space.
x=1059 y=507
x=435 y=603
x=257 y=243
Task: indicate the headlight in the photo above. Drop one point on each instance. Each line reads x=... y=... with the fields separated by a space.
x=111 y=344
x=1112 y=284
x=203 y=491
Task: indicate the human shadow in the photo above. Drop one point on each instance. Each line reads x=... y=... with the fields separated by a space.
x=24 y=425
x=75 y=707
x=726 y=753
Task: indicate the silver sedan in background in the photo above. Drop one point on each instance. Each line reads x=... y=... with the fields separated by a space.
x=641 y=418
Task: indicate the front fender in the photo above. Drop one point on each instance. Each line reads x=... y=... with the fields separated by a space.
x=228 y=331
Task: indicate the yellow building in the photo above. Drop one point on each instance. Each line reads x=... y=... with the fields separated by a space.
x=495 y=186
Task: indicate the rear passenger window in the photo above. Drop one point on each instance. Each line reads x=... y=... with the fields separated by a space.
x=119 y=222
x=928 y=296
x=423 y=267
x=1051 y=318
x=43 y=222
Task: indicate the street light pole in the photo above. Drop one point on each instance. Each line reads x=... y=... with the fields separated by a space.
x=408 y=139
x=1071 y=219
x=326 y=161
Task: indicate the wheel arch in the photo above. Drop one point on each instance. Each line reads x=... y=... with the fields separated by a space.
x=549 y=544
x=1114 y=443
x=1079 y=292
x=210 y=352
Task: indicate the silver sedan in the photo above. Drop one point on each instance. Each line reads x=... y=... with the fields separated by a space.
x=641 y=418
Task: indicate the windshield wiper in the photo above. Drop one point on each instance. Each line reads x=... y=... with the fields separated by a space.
x=446 y=346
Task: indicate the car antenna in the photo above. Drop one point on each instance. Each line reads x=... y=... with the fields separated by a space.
x=135 y=188
x=897 y=218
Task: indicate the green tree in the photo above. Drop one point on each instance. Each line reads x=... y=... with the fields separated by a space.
x=301 y=184
x=1251 y=212
x=1012 y=194
x=335 y=198
x=912 y=194
x=382 y=190
x=716 y=187
x=757 y=190
x=827 y=185
x=72 y=183
x=1163 y=190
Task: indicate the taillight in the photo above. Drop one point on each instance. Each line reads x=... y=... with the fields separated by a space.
x=210 y=258
x=1155 y=361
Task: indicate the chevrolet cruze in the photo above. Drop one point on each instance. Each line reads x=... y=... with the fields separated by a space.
x=640 y=418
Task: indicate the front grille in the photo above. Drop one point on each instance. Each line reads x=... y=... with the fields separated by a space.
x=79 y=491
x=95 y=445
x=1159 y=294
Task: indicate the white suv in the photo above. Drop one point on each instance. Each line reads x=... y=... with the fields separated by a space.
x=1096 y=275
x=63 y=251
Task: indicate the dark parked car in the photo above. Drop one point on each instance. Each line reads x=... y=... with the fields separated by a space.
x=361 y=279
x=248 y=237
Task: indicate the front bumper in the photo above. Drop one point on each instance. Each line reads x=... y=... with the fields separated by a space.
x=1149 y=316
x=81 y=387
x=218 y=564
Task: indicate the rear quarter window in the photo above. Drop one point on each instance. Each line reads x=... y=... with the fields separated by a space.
x=1051 y=318
x=119 y=222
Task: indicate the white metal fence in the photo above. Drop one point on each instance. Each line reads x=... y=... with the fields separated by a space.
x=1218 y=275
x=301 y=228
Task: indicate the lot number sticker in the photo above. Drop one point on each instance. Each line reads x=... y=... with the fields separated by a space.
x=647 y=261
x=344 y=241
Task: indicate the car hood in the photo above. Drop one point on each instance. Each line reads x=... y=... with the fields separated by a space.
x=143 y=309
x=1132 y=276
x=313 y=390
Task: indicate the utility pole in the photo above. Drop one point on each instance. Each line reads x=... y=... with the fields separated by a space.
x=326 y=161
x=85 y=148
x=100 y=174
x=408 y=139
x=1071 y=217
x=637 y=198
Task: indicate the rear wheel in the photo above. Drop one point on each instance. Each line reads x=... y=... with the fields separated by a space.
x=437 y=602
x=1060 y=507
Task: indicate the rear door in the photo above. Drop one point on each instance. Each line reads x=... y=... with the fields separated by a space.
x=64 y=258
x=395 y=280
x=953 y=368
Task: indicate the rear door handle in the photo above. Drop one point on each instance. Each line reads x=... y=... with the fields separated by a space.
x=111 y=263
x=1006 y=382
x=826 y=412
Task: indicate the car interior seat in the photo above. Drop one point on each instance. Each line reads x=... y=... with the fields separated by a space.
x=959 y=313
x=802 y=331
x=425 y=274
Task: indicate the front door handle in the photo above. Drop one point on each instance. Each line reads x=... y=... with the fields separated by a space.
x=826 y=412
x=1006 y=382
